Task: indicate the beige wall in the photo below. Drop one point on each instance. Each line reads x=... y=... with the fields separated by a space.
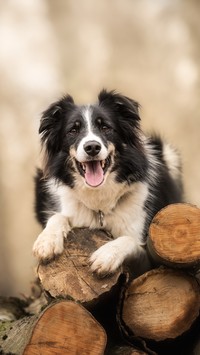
x=146 y=49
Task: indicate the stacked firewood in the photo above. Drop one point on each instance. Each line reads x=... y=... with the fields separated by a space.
x=78 y=313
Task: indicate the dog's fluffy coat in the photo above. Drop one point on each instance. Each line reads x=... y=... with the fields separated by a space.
x=101 y=171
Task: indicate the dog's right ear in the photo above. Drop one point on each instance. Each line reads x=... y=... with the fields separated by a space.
x=51 y=123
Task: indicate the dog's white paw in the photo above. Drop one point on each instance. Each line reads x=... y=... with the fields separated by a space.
x=48 y=244
x=106 y=260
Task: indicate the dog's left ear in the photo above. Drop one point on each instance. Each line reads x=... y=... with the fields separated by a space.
x=125 y=106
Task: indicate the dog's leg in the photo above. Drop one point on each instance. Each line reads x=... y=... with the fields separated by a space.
x=111 y=255
x=51 y=241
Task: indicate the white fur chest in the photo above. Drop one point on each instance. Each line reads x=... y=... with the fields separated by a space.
x=117 y=208
x=104 y=198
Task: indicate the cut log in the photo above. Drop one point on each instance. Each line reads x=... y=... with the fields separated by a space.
x=62 y=328
x=161 y=304
x=69 y=275
x=174 y=236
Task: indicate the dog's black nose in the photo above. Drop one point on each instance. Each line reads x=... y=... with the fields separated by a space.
x=92 y=148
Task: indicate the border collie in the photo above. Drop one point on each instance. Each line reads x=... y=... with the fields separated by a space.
x=101 y=171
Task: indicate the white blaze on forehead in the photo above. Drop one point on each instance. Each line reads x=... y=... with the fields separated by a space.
x=87 y=115
x=89 y=136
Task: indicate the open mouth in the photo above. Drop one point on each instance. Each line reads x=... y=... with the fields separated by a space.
x=94 y=170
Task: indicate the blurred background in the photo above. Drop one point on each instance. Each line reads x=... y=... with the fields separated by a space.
x=148 y=50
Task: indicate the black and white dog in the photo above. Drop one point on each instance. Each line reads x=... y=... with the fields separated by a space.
x=101 y=171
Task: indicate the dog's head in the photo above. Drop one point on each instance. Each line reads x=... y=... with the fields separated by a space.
x=90 y=142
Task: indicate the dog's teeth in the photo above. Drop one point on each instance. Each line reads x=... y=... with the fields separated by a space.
x=83 y=166
x=103 y=163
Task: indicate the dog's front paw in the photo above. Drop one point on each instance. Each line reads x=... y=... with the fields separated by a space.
x=48 y=245
x=106 y=260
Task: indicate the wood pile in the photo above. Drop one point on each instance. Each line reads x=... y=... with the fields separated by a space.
x=75 y=312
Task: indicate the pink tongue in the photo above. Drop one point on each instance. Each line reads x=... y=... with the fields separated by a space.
x=94 y=173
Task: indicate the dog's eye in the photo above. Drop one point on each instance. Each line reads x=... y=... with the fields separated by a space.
x=75 y=129
x=102 y=126
x=105 y=128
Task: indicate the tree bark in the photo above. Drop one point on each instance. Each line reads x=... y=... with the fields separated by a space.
x=63 y=327
x=174 y=236
x=161 y=304
x=69 y=275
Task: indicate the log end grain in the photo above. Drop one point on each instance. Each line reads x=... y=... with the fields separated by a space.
x=161 y=304
x=174 y=236
x=66 y=328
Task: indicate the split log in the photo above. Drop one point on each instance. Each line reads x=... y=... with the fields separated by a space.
x=161 y=304
x=62 y=328
x=174 y=236
x=69 y=275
